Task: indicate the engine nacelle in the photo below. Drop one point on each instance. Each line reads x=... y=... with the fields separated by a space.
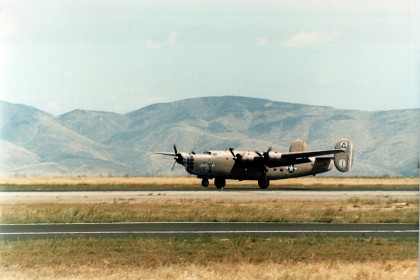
x=344 y=161
x=246 y=157
x=273 y=158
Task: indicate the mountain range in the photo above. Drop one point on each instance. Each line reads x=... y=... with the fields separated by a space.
x=34 y=143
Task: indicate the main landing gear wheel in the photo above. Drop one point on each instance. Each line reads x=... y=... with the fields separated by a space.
x=205 y=183
x=263 y=183
x=219 y=183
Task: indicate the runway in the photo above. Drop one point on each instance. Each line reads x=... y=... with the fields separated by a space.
x=140 y=196
x=194 y=229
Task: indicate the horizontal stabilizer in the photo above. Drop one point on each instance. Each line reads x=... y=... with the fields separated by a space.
x=311 y=154
x=279 y=159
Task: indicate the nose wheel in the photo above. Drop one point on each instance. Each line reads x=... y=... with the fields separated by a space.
x=205 y=183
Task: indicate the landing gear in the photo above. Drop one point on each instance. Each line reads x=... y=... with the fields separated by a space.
x=263 y=182
x=219 y=183
x=205 y=183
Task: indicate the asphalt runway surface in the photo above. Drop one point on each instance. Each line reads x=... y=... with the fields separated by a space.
x=139 y=196
x=194 y=229
x=209 y=189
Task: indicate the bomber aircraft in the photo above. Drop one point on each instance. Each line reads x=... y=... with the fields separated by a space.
x=263 y=166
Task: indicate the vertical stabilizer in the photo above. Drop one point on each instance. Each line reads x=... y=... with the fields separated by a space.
x=344 y=161
x=298 y=146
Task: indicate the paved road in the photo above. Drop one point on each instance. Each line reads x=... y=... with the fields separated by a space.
x=191 y=229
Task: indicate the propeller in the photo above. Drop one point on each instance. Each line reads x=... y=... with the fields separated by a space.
x=235 y=157
x=177 y=157
x=265 y=154
x=233 y=154
x=266 y=158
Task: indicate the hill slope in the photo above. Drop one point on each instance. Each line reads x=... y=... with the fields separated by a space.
x=91 y=143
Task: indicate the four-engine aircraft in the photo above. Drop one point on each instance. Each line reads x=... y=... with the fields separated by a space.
x=264 y=166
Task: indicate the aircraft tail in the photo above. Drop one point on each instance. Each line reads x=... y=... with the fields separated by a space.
x=298 y=146
x=344 y=161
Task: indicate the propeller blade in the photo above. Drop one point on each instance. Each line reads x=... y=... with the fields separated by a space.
x=173 y=166
x=177 y=156
x=265 y=155
x=165 y=154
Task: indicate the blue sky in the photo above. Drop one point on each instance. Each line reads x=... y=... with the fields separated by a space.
x=122 y=55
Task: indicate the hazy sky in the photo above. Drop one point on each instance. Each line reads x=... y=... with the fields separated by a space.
x=122 y=55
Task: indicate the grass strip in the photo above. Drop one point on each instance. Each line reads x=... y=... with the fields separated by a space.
x=150 y=252
x=353 y=210
x=211 y=258
x=315 y=270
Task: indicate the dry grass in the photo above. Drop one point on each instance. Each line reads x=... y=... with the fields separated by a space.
x=210 y=258
x=390 y=270
x=147 y=182
x=353 y=210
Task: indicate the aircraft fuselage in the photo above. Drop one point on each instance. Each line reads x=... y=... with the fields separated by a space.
x=264 y=166
x=222 y=164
